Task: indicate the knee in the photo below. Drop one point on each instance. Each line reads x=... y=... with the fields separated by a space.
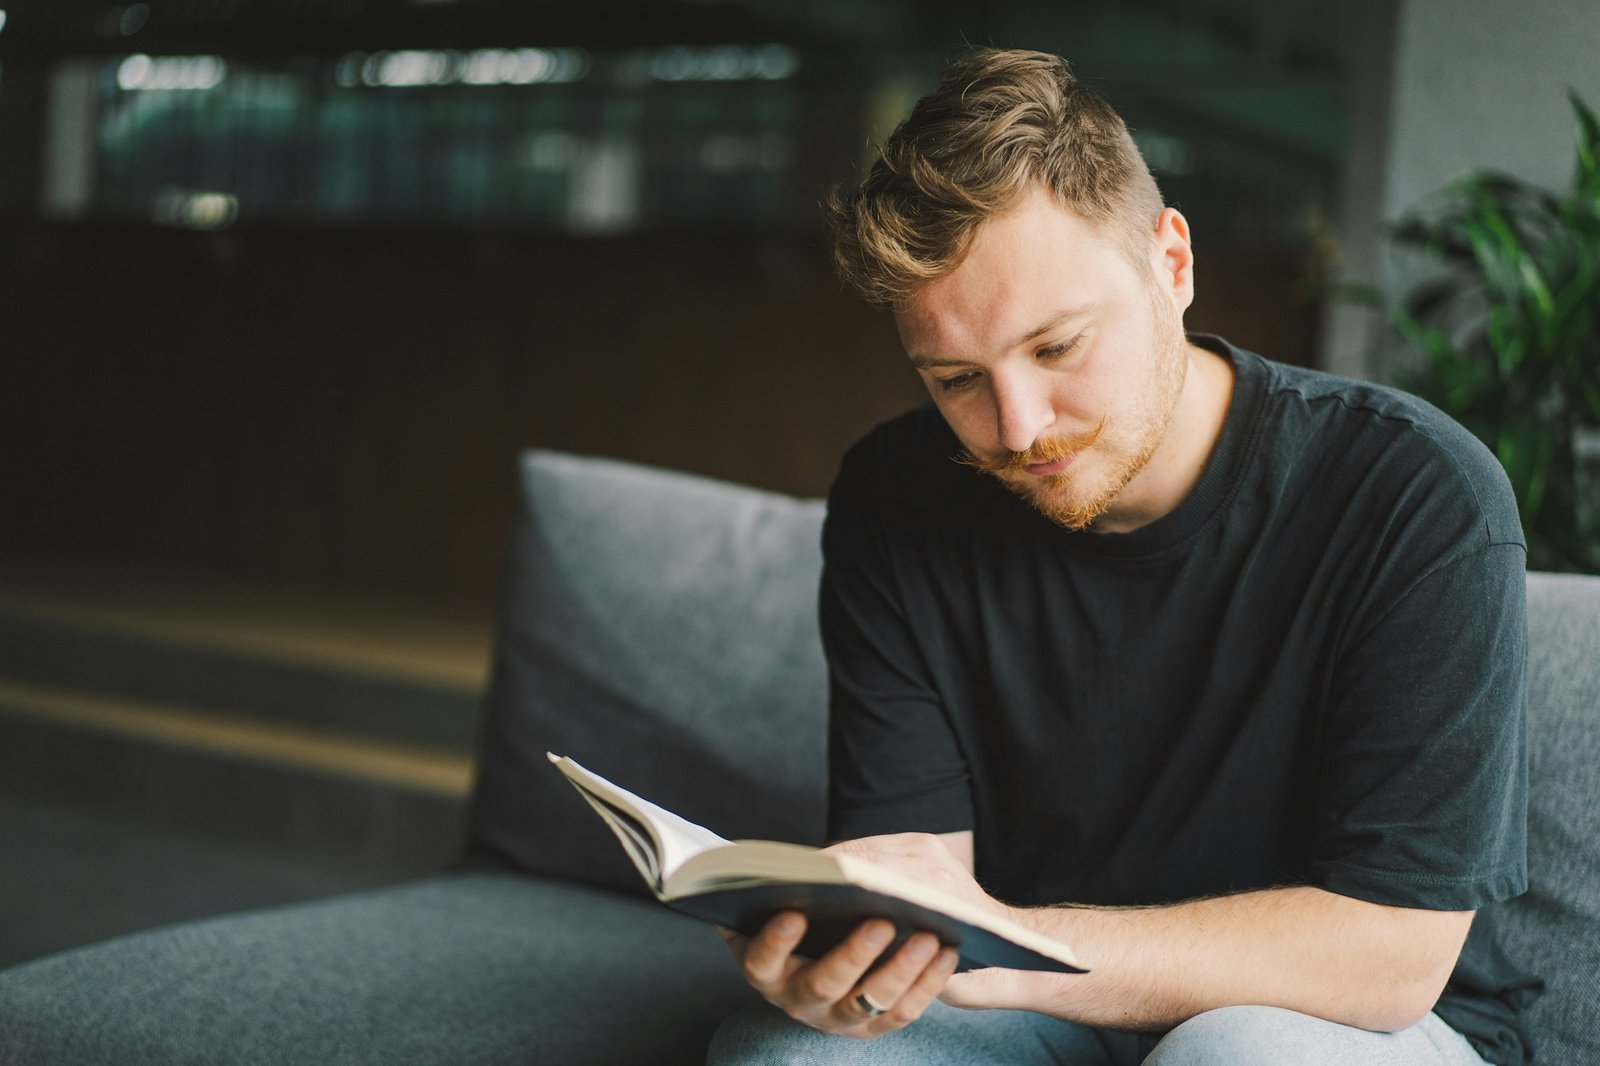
x=762 y=1035
x=1229 y=1036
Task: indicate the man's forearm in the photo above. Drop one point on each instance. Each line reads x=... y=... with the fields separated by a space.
x=1305 y=949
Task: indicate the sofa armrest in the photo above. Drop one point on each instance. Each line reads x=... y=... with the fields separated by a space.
x=466 y=967
x=1554 y=930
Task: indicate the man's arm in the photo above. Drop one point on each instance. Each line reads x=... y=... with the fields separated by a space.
x=1363 y=964
x=1305 y=949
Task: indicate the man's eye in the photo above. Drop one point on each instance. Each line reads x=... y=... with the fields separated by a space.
x=957 y=383
x=1059 y=349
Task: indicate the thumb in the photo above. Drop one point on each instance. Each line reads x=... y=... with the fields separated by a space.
x=984 y=989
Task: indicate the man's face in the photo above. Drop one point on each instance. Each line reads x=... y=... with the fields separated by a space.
x=1057 y=362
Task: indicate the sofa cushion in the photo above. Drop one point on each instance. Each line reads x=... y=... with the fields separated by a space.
x=480 y=969
x=660 y=629
x=1554 y=930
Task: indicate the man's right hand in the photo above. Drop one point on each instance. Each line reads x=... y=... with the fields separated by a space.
x=835 y=994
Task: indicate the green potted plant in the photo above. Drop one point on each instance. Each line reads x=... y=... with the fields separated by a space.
x=1510 y=327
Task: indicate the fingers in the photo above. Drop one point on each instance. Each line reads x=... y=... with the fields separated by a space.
x=767 y=956
x=827 y=994
x=824 y=983
x=902 y=987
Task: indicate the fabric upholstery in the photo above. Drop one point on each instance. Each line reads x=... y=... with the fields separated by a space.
x=466 y=969
x=1554 y=930
x=659 y=629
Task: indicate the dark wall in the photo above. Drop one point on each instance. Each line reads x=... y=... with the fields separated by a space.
x=342 y=409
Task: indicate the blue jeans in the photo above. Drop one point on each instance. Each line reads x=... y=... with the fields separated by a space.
x=1232 y=1036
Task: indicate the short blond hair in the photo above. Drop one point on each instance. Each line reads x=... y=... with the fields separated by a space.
x=999 y=121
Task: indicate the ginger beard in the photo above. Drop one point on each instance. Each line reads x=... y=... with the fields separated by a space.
x=1073 y=498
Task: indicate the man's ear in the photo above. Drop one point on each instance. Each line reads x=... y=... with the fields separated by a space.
x=1172 y=257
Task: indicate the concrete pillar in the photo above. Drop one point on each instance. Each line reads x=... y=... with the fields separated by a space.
x=1470 y=83
x=69 y=144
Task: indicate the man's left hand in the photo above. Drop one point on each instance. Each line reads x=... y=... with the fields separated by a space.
x=927 y=859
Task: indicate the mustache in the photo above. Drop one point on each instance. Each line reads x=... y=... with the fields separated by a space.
x=1043 y=450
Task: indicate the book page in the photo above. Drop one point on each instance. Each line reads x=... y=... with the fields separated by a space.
x=752 y=861
x=676 y=838
x=637 y=840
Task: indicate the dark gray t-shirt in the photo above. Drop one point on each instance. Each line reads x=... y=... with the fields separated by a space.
x=1311 y=672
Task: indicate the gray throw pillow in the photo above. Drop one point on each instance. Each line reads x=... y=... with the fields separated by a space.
x=1554 y=930
x=660 y=629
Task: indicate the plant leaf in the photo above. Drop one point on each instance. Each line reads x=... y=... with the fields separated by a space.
x=1511 y=330
x=1587 y=180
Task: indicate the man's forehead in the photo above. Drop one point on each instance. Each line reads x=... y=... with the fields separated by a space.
x=979 y=295
x=1026 y=268
x=993 y=315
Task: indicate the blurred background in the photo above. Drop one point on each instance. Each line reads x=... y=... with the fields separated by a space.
x=285 y=286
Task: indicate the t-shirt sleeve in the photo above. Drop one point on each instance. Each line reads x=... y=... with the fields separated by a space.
x=893 y=761
x=1424 y=765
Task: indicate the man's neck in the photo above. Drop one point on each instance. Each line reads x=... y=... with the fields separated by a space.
x=1180 y=460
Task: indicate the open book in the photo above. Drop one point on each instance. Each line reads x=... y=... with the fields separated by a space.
x=741 y=885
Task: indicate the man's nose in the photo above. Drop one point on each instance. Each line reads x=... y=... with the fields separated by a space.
x=1022 y=412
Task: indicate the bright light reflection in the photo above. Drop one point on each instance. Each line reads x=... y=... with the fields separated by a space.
x=485 y=66
x=196 y=210
x=419 y=68
x=196 y=73
x=2 y=18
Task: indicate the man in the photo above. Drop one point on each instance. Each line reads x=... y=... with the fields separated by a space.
x=1208 y=666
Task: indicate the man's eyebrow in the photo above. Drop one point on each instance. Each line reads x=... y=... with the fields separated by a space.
x=923 y=362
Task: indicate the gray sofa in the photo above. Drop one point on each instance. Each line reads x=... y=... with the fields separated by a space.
x=659 y=628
